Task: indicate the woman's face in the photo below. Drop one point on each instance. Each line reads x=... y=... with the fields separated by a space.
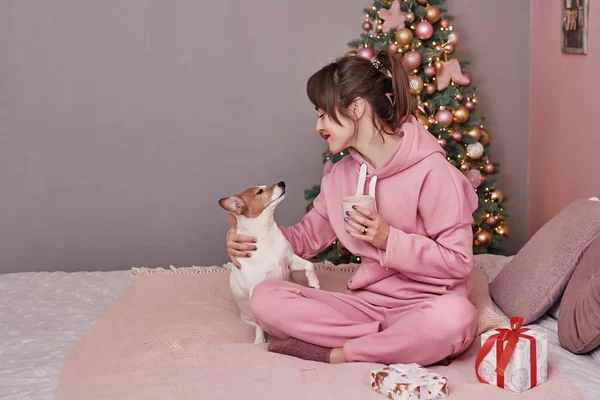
x=338 y=136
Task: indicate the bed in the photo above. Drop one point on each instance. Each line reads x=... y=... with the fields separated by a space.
x=44 y=315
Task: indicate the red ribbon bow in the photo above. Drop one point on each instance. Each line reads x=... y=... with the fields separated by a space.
x=503 y=353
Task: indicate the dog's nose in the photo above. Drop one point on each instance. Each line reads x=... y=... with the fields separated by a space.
x=281 y=184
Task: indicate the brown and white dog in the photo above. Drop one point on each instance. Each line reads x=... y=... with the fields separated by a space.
x=274 y=257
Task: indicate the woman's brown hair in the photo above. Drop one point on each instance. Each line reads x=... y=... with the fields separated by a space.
x=335 y=86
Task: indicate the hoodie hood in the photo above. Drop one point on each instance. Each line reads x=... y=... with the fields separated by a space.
x=417 y=144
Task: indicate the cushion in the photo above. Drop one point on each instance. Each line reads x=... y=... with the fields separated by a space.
x=555 y=309
x=579 y=318
x=487 y=318
x=538 y=274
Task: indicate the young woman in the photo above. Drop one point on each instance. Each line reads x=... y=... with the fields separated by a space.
x=408 y=301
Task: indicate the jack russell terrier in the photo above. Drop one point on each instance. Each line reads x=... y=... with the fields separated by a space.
x=274 y=258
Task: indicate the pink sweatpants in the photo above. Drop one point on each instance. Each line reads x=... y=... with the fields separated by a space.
x=424 y=332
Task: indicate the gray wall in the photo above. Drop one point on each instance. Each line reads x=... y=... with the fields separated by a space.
x=499 y=56
x=122 y=123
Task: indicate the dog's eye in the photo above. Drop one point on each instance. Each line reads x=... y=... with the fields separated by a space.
x=259 y=192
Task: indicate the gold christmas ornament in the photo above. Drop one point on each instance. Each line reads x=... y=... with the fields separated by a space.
x=497 y=196
x=503 y=230
x=423 y=120
x=458 y=96
x=438 y=66
x=416 y=84
x=461 y=115
x=403 y=36
x=464 y=167
x=432 y=14
x=482 y=238
x=485 y=137
x=351 y=53
x=410 y=16
x=379 y=28
x=449 y=48
x=475 y=132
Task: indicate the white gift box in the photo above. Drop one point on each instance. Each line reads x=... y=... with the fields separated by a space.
x=517 y=375
x=408 y=382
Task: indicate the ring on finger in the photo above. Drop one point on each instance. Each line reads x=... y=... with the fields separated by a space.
x=365 y=231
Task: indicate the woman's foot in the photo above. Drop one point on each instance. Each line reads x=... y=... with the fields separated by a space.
x=307 y=351
x=337 y=356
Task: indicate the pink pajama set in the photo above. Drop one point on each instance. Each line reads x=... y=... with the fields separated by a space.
x=407 y=303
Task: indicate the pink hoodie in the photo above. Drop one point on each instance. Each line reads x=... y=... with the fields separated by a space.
x=428 y=204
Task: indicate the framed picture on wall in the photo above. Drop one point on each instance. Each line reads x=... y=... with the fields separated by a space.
x=575 y=26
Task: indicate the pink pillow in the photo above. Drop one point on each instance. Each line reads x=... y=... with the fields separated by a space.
x=579 y=318
x=537 y=276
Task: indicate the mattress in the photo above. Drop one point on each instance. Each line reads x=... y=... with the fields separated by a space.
x=43 y=315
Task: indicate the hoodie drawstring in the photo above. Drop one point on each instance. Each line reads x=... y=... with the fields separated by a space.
x=362 y=178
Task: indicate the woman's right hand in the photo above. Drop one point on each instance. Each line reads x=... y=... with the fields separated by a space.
x=238 y=245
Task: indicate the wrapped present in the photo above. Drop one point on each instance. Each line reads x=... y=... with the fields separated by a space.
x=408 y=381
x=515 y=358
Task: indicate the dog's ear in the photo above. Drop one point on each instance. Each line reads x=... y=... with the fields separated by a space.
x=234 y=204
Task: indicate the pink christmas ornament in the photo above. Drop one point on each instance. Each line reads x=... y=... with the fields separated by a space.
x=451 y=71
x=456 y=136
x=444 y=23
x=491 y=220
x=424 y=30
x=429 y=71
x=412 y=60
x=392 y=47
x=430 y=88
x=392 y=18
x=367 y=26
x=366 y=52
x=470 y=105
x=442 y=142
x=474 y=176
x=444 y=117
x=489 y=168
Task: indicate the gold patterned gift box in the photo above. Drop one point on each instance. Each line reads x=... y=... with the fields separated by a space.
x=408 y=382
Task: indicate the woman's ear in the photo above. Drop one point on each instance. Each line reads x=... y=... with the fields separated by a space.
x=358 y=107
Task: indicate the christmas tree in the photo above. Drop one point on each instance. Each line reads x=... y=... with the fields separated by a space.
x=444 y=101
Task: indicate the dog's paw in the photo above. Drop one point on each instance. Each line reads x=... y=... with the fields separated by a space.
x=315 y=285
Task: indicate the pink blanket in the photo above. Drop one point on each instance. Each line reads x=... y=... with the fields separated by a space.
x=176 y=334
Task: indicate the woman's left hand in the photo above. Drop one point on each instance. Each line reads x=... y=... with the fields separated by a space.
x=368 y=225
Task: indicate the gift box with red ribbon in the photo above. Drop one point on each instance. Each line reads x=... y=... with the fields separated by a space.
x=513 y=358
